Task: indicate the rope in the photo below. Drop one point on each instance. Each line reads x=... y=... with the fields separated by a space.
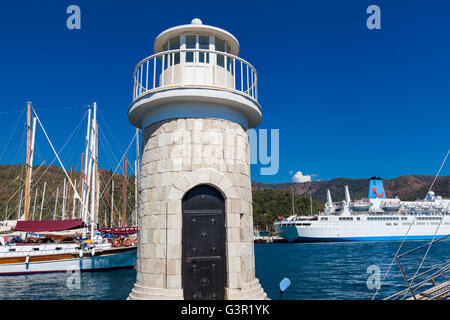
x=401 y=245
x=59 y=160
x=428 y=249
x=14 y=130
x=440 y=222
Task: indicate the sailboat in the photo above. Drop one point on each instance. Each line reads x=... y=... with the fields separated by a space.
x=67 y=245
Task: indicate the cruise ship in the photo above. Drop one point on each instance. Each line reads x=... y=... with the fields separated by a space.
x=376 y=218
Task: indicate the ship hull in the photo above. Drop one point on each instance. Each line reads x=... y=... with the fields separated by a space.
x=344 y=231
x=113 y=258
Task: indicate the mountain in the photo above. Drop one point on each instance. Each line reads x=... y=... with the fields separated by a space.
x=409 y=187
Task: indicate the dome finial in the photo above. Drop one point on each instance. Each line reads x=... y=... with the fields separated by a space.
x=196 y=21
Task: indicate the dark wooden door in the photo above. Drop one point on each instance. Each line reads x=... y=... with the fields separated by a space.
x=204 y=263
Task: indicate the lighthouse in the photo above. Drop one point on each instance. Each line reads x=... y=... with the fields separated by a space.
x=194 y=99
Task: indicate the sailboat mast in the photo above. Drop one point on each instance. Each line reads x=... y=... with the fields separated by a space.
x=81 y=182
x=124 y=195
x=136 y=183
x=92 y=170
x=135 y=194
x=56 y=203
x=310 y=203
x=97 y=176
x=20 y=205
x=42 y=200
x=71 y=192
x=74 y=203
x=27 y=182
x=34 y=203
x=86 y=173
x=63 y=209
x=112 y=203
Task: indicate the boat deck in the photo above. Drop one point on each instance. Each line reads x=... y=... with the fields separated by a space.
x=438 y=292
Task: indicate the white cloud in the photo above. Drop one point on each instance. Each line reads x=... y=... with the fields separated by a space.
x=300 y=178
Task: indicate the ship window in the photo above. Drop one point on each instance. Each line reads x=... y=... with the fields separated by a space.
x=190 y=44
x=203 y=43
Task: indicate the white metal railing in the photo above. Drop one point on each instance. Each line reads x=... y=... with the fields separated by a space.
x=195 y=68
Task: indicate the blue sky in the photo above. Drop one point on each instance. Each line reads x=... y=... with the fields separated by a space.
x=349 y=101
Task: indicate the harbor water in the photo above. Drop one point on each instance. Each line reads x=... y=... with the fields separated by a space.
x=317 y=271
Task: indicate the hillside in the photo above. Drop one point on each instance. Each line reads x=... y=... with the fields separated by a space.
x=12 y=181
x=410 y=187
x=269 y=200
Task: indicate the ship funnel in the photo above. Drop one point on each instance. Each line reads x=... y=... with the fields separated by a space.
x=347 y=195
x=329 y=197
x=376 y=189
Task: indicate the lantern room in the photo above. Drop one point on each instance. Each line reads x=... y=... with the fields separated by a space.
x=204 y=60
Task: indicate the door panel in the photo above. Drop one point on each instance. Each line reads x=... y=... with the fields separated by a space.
x=204 y=263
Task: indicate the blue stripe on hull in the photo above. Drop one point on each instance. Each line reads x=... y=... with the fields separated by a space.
x=390 y=238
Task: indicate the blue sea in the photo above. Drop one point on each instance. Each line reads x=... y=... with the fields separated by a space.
x=336 y=271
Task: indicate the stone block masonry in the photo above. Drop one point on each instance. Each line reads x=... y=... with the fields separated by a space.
x=177 y=155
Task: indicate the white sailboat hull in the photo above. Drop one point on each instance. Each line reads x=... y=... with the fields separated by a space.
x=113 y=258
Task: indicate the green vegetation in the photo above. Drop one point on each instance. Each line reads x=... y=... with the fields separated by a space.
x=268 y=204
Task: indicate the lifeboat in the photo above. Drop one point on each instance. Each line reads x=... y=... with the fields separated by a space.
x=361 y=205
x=391 y=206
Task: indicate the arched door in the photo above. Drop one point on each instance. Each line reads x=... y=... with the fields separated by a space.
x=203 y=240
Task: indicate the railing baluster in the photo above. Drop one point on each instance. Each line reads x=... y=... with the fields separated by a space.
x=140 y=74
x=154 y=72
x=193 y=63
x=173 y=67
x=242 y=78
x=215 y=70
x=248 y=87
x=146 y=77
x=234 y=73
x=256 y=86
x=225 y=70
x=163 y=71
x=137 y=82
x=253 y=92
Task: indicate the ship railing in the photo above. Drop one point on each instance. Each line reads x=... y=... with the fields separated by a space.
x=198 y=68
x=436 y=272
x=71 y=249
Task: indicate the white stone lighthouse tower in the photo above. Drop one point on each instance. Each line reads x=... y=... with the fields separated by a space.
x=194 y=99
